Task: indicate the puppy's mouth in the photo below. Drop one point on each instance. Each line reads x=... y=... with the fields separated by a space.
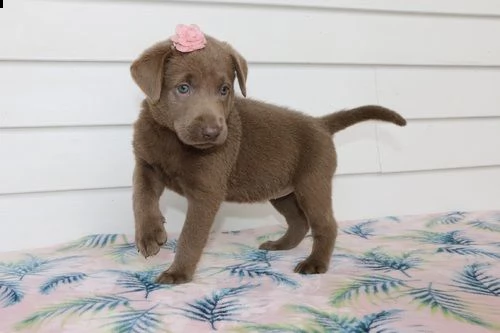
x=203 y=145
x=194 y=137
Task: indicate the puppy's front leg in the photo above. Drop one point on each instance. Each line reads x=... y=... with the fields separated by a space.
x=200 y=217
x=150 y=233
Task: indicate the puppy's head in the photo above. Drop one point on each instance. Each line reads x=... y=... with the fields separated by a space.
x=191 y=93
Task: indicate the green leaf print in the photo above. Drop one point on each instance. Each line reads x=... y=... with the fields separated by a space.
x=368 y=285
x=76 y=307
x=446 y=303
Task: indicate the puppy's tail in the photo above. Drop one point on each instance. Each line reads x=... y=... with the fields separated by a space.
x=340 y=120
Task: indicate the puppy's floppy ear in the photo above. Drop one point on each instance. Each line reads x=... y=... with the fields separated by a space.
x=241 y=68
x=148 y=70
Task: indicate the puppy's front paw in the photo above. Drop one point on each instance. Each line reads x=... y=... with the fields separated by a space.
x=150 y=238
x=173 y=278
x=311 y=266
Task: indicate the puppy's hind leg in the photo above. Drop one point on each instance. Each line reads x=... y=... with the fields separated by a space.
x=315 y=198
x=297 y=224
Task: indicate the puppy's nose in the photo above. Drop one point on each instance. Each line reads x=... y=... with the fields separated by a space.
x=211 y=132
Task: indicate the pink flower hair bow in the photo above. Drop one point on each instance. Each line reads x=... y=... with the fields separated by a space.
x=188 y=38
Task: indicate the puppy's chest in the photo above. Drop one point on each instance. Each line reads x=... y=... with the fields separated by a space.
x=167 y=163
x=171 y=177
x=181 y=172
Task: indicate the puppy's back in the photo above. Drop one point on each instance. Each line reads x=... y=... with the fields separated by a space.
x=274 y=144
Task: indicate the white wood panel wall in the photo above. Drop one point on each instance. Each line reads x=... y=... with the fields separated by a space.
x=67 y=103
x=115 y=30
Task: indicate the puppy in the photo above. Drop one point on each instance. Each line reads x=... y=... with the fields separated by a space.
x=195 y=137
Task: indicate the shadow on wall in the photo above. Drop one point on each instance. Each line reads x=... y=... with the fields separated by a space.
x=230 y=217
x=388 y=137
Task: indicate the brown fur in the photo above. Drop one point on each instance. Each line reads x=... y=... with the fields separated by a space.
x=212 y=147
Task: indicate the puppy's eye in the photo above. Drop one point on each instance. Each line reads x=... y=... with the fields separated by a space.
x=183 y=89
x=224 y=90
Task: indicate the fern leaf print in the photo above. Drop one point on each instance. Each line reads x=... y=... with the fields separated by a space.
x=79 y=307
x=11 y=293
x=32 y=265
x=252 y=270
x=447 y=219
x=475 y=279
x=221 y=305
x=93 y=241
x=69 y=278
x=137 y=321
x=368 y=285
x=363 y=229
x=447 y=304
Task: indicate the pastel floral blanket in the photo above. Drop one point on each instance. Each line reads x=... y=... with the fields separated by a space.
x=433 y=273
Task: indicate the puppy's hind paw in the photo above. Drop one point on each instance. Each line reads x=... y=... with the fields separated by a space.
x=173 y=278
x=311 y=266
x=269 y=246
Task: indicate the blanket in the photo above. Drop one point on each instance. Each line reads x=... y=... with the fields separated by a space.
x=427 y=273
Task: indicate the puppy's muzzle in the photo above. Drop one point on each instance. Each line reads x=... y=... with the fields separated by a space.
x=211 y=132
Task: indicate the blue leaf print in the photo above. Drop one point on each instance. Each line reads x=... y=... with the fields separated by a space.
x=370 y=285
x=10 y=293
x=171 y=244
x=475 y=280
x=362 y=229
x=141 y=281
x=394 y=218
x=137 y=321
x=253 y=270
x=251 y=254
x=75 y=307
x=380 y=261
x=484 y=225
x=446 y=303
x=124 y=252
x=51 y=284
x=467 y=251
x=331 y=322
x=442 y=238
x=30 y=266
x=220 y=306
x=450 y=218
x=374 y=322
x=92 y=241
